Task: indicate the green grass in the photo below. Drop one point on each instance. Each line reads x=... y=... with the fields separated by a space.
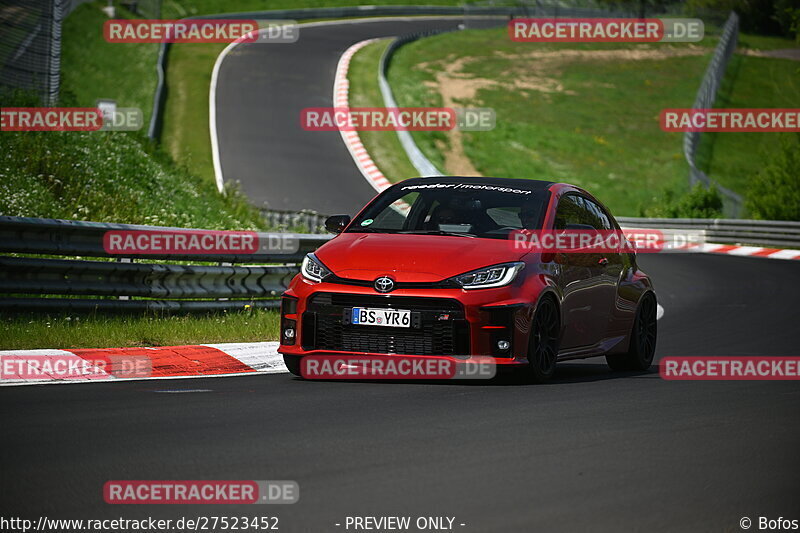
x=734 y=159
x=601 y=131
x=108 y=177
x=186 y=129
x=383 y=146
x=82 y=331
x=764 y=42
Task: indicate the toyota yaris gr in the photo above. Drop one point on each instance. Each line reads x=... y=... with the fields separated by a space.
x=431 y=268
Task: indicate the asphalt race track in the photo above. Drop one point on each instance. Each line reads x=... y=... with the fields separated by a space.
x=592 y=451
x=261 y=91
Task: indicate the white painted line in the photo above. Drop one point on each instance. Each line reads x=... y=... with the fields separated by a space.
x=182 y=391
x=212 y=115
x=659 y=311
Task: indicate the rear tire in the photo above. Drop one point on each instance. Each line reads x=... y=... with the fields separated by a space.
x=643 y=340
x=544 y=341
x=292 y=363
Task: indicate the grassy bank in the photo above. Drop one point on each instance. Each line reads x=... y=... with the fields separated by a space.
x=31 y=332
x=586 y=114
x=186 y=130
x=734 y=159
x=108 y=177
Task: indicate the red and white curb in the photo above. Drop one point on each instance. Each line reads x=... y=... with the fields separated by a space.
x=168 y=362
x=745 y=251
x=341 y=87
x=699 y=245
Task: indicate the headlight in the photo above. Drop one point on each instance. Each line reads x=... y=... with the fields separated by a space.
x=313 y=269
x=493 y=276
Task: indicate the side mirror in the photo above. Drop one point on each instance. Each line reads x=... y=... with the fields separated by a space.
x=337 y=223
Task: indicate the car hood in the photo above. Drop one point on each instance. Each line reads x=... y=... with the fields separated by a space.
x=411 y=258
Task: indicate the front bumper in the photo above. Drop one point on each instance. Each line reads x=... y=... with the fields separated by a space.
x=449 y=323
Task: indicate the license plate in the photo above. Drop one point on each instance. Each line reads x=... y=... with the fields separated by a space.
x=395 y=318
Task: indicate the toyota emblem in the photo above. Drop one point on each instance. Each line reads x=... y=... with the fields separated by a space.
x=384 y=284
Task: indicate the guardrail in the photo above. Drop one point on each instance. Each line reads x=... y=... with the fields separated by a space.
x=423 y=165
x=706 y=95
x=783 y=234
x=308 y=220
x=52 y=284
x=134 y=283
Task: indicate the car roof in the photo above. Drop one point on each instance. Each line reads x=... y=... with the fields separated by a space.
x=518 y=183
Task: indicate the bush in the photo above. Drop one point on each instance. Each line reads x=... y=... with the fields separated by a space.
x=774 y=193
x=699 y=202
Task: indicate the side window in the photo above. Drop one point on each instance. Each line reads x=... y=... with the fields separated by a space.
x=571 y=211
x=600 y=220
x=574 y=209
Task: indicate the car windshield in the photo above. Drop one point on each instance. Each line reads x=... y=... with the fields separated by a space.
x=461 y=209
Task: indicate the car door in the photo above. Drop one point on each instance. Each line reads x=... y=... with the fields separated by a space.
x=581 y=279
x=610 y=265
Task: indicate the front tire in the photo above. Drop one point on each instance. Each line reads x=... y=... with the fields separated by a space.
x=292 y=363
x=643 y=339
x=544 y=341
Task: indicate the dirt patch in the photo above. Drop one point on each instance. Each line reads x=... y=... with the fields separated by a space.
x=792 y=54
x=536 y=70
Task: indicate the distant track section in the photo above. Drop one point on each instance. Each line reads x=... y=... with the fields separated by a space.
x=260 y=92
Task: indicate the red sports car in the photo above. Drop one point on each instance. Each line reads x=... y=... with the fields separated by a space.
x=429 y=269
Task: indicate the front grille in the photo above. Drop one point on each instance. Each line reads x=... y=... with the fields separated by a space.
x=324 y=328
